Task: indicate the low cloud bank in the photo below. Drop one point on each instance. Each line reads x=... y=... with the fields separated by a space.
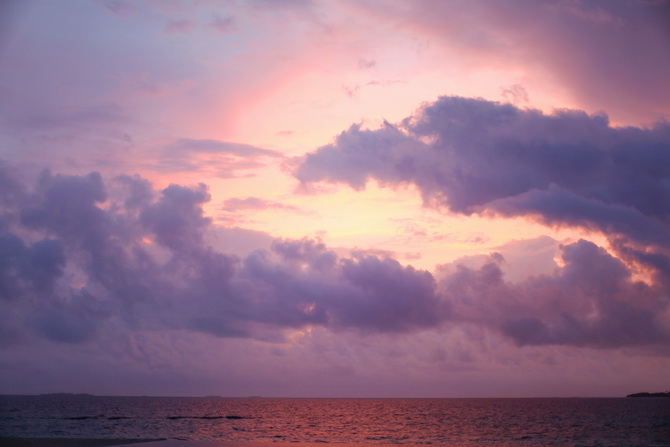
x=81 y=255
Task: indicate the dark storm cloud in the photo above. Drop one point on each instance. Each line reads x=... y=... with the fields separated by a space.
x=81 y=257
x=476 y=156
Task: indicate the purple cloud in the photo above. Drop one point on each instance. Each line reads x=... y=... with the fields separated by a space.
x=591 y=301
x=187 y=145
x=139 y=256
x=177 y=219
x=226 y=159
x=222 y=24
x=81 y=255
x=179 y=26
x=120 y=7
x=254 y=203
x=476 y=156
x=590 y=48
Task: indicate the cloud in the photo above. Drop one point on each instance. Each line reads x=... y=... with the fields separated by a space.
x=82 y=257
x=177 y=219
x=179 y=26
x=366 y=64
x=225 y=159
x=68 y=118
x=77 y=257
x=218 y=147
x=516 y=94
x=254 y=203
x=590 y=49
x=564 y=169
x=475 y=156
x=236 y=210
x=590 y=301
x=273 y=5
x=120 y=8
x=355 y=158
x=222 y=24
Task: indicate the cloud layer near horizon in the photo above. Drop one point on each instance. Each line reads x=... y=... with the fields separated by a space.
x=82 y=255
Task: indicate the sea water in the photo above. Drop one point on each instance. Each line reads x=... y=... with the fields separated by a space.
x=471 y=422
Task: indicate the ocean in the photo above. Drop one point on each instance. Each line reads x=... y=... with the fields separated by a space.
x=464 y=422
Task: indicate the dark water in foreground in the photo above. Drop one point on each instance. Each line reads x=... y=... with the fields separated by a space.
x=522 y=422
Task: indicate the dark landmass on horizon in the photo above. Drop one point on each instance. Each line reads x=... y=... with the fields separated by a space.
x=87 y=395
x=666 y=394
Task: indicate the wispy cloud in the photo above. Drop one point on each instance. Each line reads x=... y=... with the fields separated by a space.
x=223 y=159
x=254 y=203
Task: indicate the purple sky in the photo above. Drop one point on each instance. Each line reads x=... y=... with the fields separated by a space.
x=335 y=198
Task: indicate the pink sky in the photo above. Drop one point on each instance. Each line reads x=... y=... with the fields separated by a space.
x=335 y=198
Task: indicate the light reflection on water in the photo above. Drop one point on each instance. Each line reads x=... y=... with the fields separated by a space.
x=524 y=422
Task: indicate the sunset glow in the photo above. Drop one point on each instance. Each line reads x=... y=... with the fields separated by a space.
x=335 y=197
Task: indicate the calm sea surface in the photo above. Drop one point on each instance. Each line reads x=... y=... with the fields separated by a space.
x=521 y=422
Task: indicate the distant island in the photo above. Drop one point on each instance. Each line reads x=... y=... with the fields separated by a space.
x=666 y=394
x=67 y=395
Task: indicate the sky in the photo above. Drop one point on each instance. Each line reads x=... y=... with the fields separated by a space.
x=335 y=198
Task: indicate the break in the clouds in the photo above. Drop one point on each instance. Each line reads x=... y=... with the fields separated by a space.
x=82 y=255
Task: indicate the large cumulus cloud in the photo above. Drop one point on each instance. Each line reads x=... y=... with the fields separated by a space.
x=82 y=255
x=475 y=156
x=592 y=300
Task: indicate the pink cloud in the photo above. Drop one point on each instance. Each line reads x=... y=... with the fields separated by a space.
x=254 y=203
x=120 y=7
x=590 y=48
x=222 y=24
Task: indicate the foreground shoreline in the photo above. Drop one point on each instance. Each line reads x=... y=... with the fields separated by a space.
x=74 y=442
x=162 y=442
